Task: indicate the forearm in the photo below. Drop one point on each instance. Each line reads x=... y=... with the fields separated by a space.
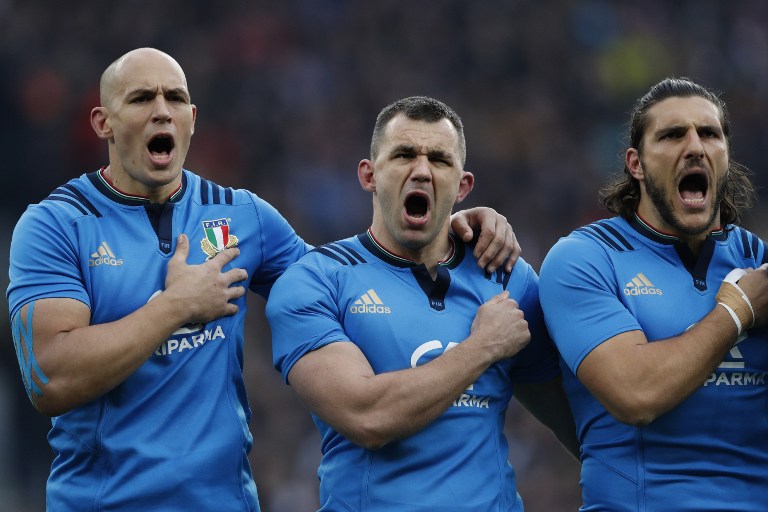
x=644 y=380
x=374 y=409
x=82 y=362
x=405 y=402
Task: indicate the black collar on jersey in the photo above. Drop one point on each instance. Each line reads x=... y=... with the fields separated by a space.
x=657 y=236
x=378 y=250
x=696 y=266
x=160 y=215
x=434 y=290
x=103 y=186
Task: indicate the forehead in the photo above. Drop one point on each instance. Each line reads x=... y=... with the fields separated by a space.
x=404 y=131
x=683 y=111
x=150 y=71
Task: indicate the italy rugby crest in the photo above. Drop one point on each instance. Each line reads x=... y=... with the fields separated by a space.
x=217 y=237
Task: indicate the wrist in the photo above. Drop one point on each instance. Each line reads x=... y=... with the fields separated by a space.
x=734 y=316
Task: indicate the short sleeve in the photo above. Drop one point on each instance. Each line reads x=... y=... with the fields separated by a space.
x=44 y=261
x=579 y=297
x=281 y=247
x=303 y=315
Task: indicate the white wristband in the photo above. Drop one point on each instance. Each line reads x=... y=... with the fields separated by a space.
x=733 y=278
x=734 y=316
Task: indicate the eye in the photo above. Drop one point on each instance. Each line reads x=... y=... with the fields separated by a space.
x=674 y=134
x=177 y=98
x=142 y=98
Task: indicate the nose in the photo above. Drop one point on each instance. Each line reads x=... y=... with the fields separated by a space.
x=421 y=169
x=160 y=111
x=694 y=147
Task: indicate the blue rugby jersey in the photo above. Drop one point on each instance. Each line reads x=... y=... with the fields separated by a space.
x=173 y=436
x=710 y=453
x=354 y=290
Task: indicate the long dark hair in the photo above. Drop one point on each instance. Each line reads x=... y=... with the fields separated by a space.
x=621 y=194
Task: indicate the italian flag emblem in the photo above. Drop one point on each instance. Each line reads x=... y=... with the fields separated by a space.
x=217 y=237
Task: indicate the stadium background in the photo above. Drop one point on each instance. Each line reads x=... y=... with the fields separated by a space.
x=287 y=93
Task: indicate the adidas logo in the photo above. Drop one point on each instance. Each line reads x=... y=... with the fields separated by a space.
x=104 y=256
x=369 y=302
x=641 y=285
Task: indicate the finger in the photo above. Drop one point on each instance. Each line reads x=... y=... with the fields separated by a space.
x=236 y=275
x=493 y=254
x=516 y=249
x=231 y=309
x=225 y=256
x=235 y=292
x=488 y=243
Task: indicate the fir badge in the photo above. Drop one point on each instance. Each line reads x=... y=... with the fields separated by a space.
x=217 y=237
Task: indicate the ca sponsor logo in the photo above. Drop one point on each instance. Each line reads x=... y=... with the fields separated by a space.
x=641 y=285
x=436 y=348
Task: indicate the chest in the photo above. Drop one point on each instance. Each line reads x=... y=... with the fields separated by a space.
x=667 y=299
x=401 y=321
x=124 y=255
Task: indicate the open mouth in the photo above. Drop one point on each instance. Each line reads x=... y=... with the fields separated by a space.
x=161 y=145
x=693 y=188
x=416 y=206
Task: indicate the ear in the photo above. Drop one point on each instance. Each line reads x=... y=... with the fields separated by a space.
x=466 y=185
x=633 y=163
x=194 y=116
x=365 y=176
x=100 y=123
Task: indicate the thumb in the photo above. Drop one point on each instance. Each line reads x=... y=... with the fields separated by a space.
x=498 y=298
x=182 y=249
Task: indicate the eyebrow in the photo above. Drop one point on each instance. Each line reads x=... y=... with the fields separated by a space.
x=434 y=153
x=678 y=128
x=148 y=90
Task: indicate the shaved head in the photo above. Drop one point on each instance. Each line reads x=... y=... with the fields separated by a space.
x=111 y=76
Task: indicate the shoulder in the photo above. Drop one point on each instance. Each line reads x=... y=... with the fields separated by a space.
x=334 y=256
x=747 y=244
x=208 y=192
x=609 y=234
x=70 y=201
x=341 y=253
x=603 y=238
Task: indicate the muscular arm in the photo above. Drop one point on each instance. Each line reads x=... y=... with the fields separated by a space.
x=339 y=385
x=72 y=362
x=638 y=381
x=634 y=379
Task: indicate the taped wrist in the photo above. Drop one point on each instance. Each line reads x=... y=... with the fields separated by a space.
x=735 y=301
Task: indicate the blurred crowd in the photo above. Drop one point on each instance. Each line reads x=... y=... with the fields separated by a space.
x=287 y=93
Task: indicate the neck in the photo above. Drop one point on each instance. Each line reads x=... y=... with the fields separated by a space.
x=124 y=185
x=437 y=250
